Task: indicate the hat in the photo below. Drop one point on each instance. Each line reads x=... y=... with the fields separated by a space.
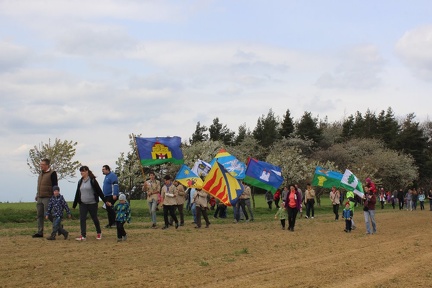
x=56 y=188
x=122 y=197
x=347 y=203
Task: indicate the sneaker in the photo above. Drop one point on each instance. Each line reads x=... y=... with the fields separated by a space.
x=207 y=226
x=176 y=225
x=108 y=226
x=66 y=235
x=119 y=239
x=312 y=217
x=165 y=227
x=99 y=236
x=80 y=238
x=306 y=217
x=154 y=226
x=124 y=238
x=51 y=238
x=37 y=235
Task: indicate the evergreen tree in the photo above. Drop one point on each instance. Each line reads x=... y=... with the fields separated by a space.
x=412 y=140
x=347 y=128
x=388 y=128
x=199 y=134
x=308 y=128
x=219 y=132
x=287 y=127
x=266 y=131
x=243 y=132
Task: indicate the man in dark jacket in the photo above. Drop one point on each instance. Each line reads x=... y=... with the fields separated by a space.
x=46 y=181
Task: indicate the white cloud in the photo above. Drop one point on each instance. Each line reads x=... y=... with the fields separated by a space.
x=12 y=56
x=414 y=48
x=357 y=68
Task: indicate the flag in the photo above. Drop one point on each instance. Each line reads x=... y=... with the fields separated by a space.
x=235 y=167
x=201 y=168
x=159 y=150
x=220 y=184
x=350 y=182
x=326 y=178
x=263 y=175
x=188 y=178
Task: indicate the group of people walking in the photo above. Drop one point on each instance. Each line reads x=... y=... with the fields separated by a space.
x=51 y=204
x=171 y=196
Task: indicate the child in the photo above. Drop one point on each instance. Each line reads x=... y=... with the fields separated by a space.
x=283 y=215
x=123 y=214
x=347 y=214
x=56 y=206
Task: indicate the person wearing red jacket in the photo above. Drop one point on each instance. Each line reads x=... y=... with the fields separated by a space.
x=371 y=185
x=293 y=205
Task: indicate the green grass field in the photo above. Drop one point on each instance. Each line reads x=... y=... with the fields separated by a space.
x=23 y=215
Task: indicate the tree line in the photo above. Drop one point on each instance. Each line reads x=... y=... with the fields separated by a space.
x=395 y=152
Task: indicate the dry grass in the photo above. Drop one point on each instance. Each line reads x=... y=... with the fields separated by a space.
x=257 y=254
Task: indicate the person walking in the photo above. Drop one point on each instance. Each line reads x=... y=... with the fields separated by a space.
x=87 y=196
x=201 y=202
x=293 y=206
x=110 y=190
x=181 y=199
x=123 y=215
x=310 y=201
x=152 y=187
x=46 y=181
x=169 y=195
x=335 y=200
x=369 y=211
x=56 y=206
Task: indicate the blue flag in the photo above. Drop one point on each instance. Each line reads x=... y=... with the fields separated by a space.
x=235 y=167
x=263 y=175
x=188 y=178
x=159 y=150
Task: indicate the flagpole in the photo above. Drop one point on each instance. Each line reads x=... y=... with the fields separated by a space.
x=139 y=159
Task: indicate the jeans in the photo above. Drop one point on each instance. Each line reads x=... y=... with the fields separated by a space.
x=369 y=217
x=241 y=204
x=348 y=224
x=42 y=208
x=421 y=205
x=110 y=210
x=152 y=208
x=57 y=227
x=249 y=208
x=310 y=207
x=336 y=211
x=92 y=209
x=194 y=214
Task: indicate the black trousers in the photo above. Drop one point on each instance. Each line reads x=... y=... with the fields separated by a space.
x=171 y=210
x=401 y=203
x=348 y=225
x=120 y=229
x=336 y=211
x=110 y=211
x=292 y=215
x=92 y=210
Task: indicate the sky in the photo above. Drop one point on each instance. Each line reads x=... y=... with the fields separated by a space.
x=96 y=71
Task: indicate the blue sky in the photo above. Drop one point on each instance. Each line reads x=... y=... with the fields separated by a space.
x=96 y=71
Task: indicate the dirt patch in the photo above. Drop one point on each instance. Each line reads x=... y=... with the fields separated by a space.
x=256 y=254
